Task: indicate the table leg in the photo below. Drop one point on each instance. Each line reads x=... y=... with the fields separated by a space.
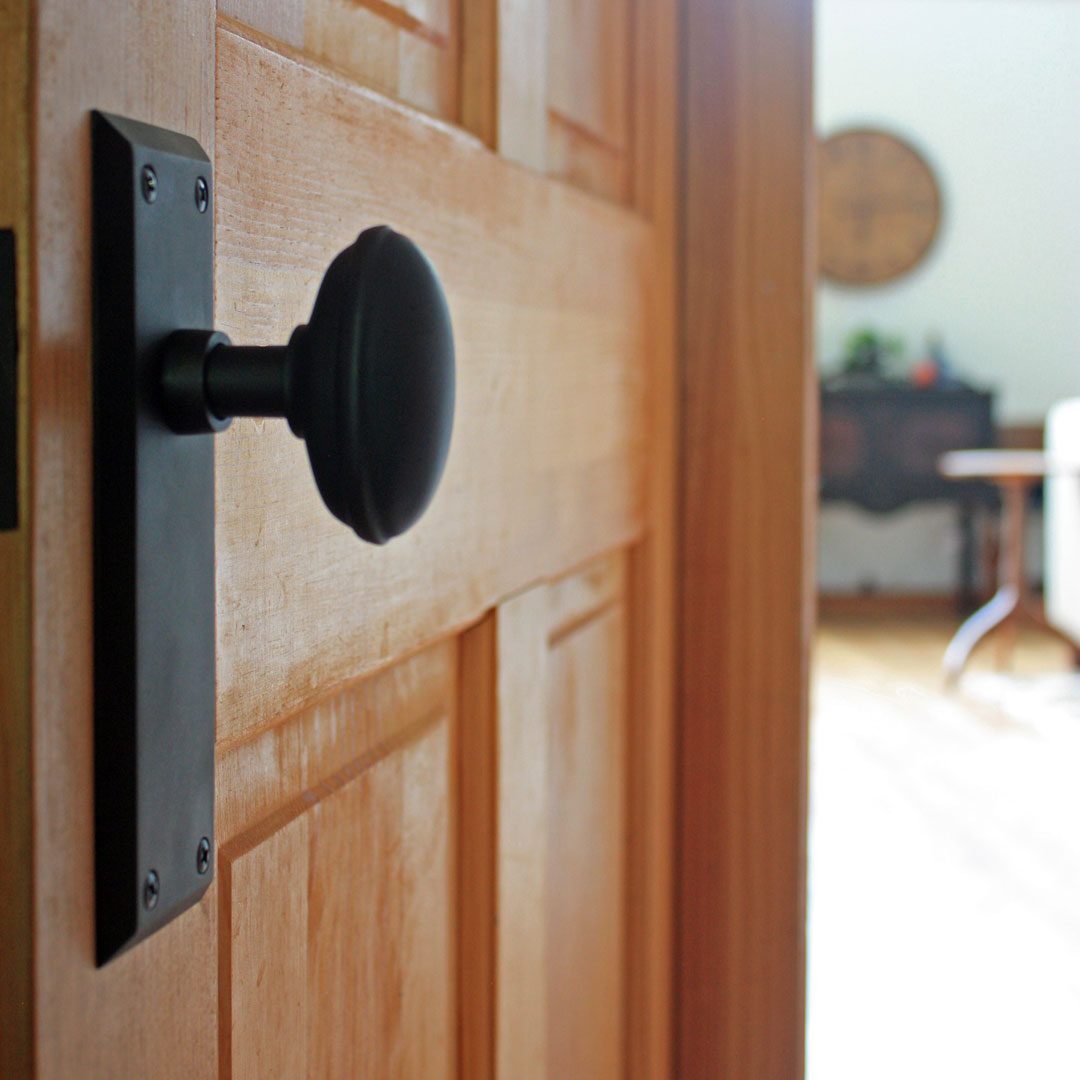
x=1000 y=607
x=965 y=598
x=1006 y=602
x=1014 y=511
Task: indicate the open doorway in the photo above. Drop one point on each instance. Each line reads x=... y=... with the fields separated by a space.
x=944 y=899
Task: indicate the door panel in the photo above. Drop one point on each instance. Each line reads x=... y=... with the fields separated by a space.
x=588 y=95
x=409 y=51
x=335 y=927
x=337 y=883
x=586 y=862
x=562 y=814
x=551 y=380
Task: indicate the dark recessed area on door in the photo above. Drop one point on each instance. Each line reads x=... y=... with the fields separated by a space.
x=9 y=385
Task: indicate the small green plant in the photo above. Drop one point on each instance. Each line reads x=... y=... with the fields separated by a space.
x=866 y=352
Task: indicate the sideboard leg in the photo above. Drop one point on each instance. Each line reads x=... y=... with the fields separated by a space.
x=965 y=596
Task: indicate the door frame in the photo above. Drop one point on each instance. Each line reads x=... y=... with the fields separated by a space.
x=746 y=537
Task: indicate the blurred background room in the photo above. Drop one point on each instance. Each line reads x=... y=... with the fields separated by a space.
x=945 y=853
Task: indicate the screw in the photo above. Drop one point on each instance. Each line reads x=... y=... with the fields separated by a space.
x=151 y=890
x=202 y=195
x=202 y=856
x=149 y=183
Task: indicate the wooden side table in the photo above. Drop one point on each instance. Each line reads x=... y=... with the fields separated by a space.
x=880 y=444
x=1015 y=473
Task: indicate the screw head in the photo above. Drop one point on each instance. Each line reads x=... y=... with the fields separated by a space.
x=151 y=891
x=202 y=856
x=149 y=183
x=202 y=195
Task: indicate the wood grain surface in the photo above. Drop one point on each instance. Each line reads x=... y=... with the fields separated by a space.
x=562 y=815
x=374 y=709
x=587 y=835
x=337 y=837
x=477 y=752
x=480 y=32
x=154 y=61
x=521 y=81
x=409 y=51
x=590 y=48
x=656 y=127
x=16 y=885
x=336 y=939
x=748 y=452
x=547 y=462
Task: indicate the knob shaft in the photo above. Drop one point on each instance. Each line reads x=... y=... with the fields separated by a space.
x=368 y=383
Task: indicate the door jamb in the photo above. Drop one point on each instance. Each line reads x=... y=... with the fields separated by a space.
x=746 y=548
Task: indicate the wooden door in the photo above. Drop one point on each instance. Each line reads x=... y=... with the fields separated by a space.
x=443 y=803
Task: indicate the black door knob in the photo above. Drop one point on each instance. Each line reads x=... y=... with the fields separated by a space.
x=368 y=383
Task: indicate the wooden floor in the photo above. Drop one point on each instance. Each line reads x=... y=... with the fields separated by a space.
x=944 y=860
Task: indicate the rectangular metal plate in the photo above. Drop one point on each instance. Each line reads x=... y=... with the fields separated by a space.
x=153 y=537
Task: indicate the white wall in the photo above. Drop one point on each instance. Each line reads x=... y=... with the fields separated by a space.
x=989 y=91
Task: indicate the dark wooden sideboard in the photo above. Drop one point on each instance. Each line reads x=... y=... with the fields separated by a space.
x=880 y=445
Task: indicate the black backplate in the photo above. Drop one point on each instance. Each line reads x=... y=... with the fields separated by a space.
x=153 y=537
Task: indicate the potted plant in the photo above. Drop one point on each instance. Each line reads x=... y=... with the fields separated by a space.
x=866 y=352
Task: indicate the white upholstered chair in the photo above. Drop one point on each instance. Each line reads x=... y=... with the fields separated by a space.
x=1062 y=517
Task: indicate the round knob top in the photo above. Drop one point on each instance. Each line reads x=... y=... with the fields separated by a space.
x=371 y=384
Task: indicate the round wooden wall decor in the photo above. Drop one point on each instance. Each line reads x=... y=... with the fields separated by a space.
x=879 y=207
